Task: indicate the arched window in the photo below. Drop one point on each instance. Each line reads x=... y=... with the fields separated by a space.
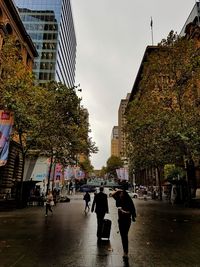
x=1 y=14
x=9 y=28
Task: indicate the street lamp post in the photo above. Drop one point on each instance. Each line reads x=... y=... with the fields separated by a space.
x=134 y=181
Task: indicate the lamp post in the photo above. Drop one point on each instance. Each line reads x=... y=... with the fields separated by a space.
x=134 y=180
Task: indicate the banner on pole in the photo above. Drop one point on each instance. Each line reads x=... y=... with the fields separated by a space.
x=122 y=173
x=6 y=123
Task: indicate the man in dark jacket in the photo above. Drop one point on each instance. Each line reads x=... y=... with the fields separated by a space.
x=100 y=206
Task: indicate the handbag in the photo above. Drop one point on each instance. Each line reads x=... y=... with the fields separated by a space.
x=52 y=203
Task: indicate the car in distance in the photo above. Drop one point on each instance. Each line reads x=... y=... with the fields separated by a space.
x=132 y=194
x=135 y=195
x=107 y=190
x=87 y=188
x=110 y=191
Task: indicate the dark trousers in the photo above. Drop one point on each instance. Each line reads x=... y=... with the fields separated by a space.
x=124 y=225
x=87 y=205
x=100 y=217
x=48 y=207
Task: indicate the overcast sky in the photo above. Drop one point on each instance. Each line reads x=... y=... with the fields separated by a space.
x=111 y=39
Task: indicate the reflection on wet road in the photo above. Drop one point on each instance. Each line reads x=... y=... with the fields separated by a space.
x=162 y=236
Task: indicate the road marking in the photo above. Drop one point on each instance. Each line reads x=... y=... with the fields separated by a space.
x=20 y=258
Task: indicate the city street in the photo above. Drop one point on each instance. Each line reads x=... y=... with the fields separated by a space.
x=163 y=235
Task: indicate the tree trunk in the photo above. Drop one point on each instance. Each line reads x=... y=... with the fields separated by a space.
x=49 y=174
x=54 y=170
x=159 y=182
x=191 y=178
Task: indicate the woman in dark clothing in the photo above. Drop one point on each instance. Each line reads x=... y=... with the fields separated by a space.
x=126 y=212
x=87 y=200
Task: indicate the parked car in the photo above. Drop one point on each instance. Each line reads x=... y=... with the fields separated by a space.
x=110 y=191
x=132 y=194
x=87 y=188
x=135 y=195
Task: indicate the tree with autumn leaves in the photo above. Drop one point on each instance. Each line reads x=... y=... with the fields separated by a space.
x=48 y=119
x=113 y=163
x=65 y=127
x=163 y=120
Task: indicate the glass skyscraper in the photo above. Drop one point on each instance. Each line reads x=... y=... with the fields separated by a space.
x=50 y=25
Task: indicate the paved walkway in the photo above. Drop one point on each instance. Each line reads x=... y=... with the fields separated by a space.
x=163 y=236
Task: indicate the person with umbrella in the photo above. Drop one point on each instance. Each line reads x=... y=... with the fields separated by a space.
x=87 y=200
x=126 y=212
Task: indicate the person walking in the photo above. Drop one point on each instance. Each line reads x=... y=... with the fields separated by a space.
x=100 y=206
x=87 y=201
x=49 y=202
x=55 y=196
x=126 y=212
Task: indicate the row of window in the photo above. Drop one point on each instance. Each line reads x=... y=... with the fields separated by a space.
x=36 y=36
x=51 y=46
x=45 y=46
x=44 y=65
x=46 y=55
x=33 y=16
x=41 y=27
x=46 y=76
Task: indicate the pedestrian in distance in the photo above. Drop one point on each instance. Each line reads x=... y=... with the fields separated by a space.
x=126 y=213
x=100 y=206
x=49 y=202
x=86 y=197
x=55 y=196
x=70 y=187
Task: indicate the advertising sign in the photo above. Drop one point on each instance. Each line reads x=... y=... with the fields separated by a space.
x=6 y=123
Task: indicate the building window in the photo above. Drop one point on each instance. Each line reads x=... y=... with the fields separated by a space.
x=9 y=29
x=1 y=14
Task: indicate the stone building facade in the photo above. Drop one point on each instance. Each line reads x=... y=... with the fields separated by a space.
x=11 y=24
x=11 y=173
x=115 y=142
x=149 y=177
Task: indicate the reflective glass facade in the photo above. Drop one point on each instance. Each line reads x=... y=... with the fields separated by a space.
x=50 y=25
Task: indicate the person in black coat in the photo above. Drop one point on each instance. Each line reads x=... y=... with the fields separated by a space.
x=100 y=206
x=126 y=212
x=87 y=200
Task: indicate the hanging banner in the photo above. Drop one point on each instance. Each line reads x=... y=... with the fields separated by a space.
x=6 y=123
x=80 y=174
x=118 y=173
x=68 y=173
x=122 y=173
x=126 y=176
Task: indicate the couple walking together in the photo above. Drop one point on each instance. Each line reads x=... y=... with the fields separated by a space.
x=126 y=213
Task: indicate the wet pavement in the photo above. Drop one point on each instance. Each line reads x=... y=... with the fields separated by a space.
x=162 y=236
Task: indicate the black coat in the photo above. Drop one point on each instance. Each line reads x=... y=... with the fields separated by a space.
x=87 y=197
x=100 y=203
x=126 y=203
